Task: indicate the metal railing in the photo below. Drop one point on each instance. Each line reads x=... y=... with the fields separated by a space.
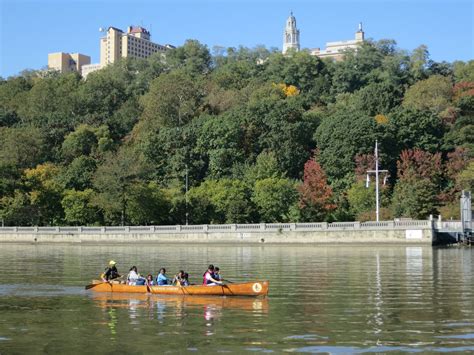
x=242 y=228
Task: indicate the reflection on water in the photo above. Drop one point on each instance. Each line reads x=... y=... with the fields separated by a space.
x=329 y=299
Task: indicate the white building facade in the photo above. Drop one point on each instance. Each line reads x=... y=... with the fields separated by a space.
x=333 y=50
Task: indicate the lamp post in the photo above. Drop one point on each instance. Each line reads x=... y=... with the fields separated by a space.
x=377 y=172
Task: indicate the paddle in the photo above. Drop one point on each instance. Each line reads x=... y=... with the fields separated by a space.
x=148 y=288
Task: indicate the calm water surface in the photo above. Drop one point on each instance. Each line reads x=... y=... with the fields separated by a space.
x=323 y=299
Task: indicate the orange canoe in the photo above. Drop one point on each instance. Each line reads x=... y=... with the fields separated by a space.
x=253 y=288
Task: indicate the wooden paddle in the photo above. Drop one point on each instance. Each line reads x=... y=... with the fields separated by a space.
x=149 y=287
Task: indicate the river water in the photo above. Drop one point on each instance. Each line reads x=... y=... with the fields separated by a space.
x=323 y=299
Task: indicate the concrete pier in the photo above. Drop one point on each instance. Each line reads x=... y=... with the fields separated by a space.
x=392 y=232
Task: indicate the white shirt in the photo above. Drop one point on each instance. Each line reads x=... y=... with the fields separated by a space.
x=132 y=277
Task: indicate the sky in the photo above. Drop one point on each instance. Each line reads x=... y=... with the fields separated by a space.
x=30 y=29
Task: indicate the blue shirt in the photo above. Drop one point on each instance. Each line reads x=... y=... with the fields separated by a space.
x=162 y=280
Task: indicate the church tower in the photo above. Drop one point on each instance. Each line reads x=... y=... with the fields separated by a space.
x=291 y=37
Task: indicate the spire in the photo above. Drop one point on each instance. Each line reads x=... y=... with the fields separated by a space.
x=291 y=36
x=359 y=35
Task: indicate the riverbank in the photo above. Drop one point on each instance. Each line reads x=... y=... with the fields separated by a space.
x=392 y=232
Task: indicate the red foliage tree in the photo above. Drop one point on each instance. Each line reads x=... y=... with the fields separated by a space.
x=315 y=193
x=457 y=161
x=419 y=164
x=464 y=88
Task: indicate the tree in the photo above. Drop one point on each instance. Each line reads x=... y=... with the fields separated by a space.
x=22 y=147
x=465 y=179
x=274 y=198
x=357 y=69
x=114 y=180
x=173 y=99
x=224 y=200
x=339 y=138
x=416 y=129
x=79 y=173
x=266 y=166
x=415 y=193
x=315 y=193
x=464 y=71
x=147 y=205
x=79 y=209
x=44 y=193
x=193 y=57
x=414 y=198
x=80 y=142
x=433 y=94
x=361 y=199
x=419 y=61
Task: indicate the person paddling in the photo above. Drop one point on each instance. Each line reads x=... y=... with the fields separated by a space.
x=217 y=274
x=149 y=280
x=111 y=272
x=134 y=278
x=178 y=279
x=208 y=277
x=161 y=279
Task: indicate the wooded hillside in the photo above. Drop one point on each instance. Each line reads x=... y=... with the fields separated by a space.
x=263 y=137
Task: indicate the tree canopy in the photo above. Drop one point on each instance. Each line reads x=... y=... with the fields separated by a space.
x=237 y=135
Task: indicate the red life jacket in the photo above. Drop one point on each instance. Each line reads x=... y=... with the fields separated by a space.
x=204 y=280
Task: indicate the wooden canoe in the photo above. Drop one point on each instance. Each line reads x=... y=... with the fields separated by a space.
x=253 y=288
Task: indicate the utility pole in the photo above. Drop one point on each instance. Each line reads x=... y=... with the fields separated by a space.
x=186 y=196
x=377 y=172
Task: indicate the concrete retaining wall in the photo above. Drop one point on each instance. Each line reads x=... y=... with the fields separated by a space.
x=418 y=232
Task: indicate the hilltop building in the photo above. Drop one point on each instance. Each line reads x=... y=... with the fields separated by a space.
x=291 y=36
x=116 y=44
x=67 y=62
x=136 y=42
x=334 y=50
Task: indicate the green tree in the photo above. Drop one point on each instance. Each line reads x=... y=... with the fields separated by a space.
x=340 y=137
x=433 y=94
x=274 y=199
x=114 y=180
x=79 y=209
x=464 y=71
x=416 y=129
x=79 y=173
x=193 y=57
x=147 y=205
x=44 y=193
x=173 y=100
x=80 y=142
x=224 y=200
x=361 y=199
x=414 y=198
